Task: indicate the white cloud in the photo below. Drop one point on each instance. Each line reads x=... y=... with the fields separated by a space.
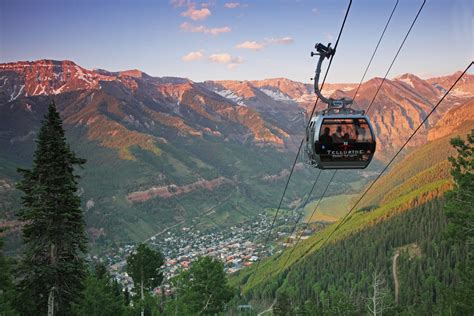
x=188 y=27
x=208 y=4
x=225 y=58
x=256 y=46
x=252 y=45
x=280 y=41
x=232 y=66
x=218 y=30
x=232 y=5
x=193 y=56
x=196 y=14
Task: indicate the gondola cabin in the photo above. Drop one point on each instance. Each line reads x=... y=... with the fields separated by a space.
x=340 y=141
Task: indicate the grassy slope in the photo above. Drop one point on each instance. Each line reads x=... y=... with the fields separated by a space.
x=330 y=209
x=431 y=155
x=418 y=177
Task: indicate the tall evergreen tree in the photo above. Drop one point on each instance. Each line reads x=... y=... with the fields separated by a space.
x=282 y=305
x=460 y=213
x=102 y=295
x=203 y=289
x=52 y=268
x=460 y=200
x=7 y=291
x=144 y=266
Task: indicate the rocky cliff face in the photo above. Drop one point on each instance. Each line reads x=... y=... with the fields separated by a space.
x=462 y=115
x=464 y=88
x=46 y=77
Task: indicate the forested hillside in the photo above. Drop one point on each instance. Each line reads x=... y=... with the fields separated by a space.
x=400 y=223
x=338 y=278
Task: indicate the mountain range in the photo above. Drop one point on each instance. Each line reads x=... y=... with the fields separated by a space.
x=163 y=150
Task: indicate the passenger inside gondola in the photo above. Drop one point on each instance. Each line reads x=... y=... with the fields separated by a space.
x=361 y=134
x=339 y=131
x=337 y=136
x=326 y=138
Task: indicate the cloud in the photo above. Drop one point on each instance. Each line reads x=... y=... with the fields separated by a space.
x=256 y=46
x=280 y=41
x=208 y=4
x=234 y=5
x=193 y=56
x=196 y=14
x=188 y=27
x=180 y=3
x=252 y=45
x=226 y=59
x=232 y=66
x=217 y=30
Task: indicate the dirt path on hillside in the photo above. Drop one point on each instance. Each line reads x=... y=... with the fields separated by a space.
x=268 y=309
x=395 y=276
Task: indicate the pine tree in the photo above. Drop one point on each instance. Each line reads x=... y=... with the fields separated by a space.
x=144 y=268
x=203 y=289
x=283 y=305
x=100 y=295
x=460 y=213
x=52 y=268
x=126 y=295
x=7 y=291
x=460 y=205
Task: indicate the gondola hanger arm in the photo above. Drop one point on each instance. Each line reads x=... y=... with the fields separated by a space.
x=326 y=52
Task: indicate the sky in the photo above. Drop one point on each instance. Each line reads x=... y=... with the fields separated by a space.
x=239 y=40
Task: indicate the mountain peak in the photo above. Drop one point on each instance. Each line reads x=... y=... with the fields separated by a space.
x=38 y=63
x=133 y=73
x=47 y=76
x=406 y=76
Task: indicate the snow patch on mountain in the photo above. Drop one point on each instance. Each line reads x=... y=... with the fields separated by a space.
x=276 y=95
x=405 y=79
x=83 y=76
x=14 y=96
x=228 y=94
x=59 y=90
x=460 y=93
